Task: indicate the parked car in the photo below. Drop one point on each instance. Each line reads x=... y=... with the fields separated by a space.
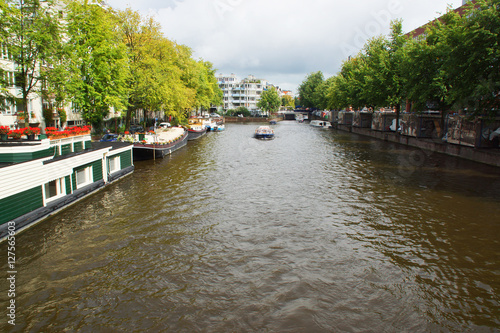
x=215 y=115
x=109 y=137
x=165 y=125
x=136 y=129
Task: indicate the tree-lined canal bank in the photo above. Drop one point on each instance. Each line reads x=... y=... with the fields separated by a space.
x=316 y=230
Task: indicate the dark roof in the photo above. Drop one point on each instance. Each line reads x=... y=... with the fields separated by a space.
x=112 y=144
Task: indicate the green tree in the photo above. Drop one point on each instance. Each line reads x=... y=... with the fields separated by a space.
x=372 y=78
x=98 y=61
x=33 y=40
x=472 y=62
x=269 y=100
x=164 y=76
x=396 y=92
x=288 y=102
x=309 y=95
x=425 y=81
x=352 y=82
x=375 y=73
x=5 y=15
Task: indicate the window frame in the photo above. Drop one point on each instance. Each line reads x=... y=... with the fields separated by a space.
x=87 y=171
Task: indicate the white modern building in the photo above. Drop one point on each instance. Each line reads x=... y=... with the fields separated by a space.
x=245 y=93
x=241 y=93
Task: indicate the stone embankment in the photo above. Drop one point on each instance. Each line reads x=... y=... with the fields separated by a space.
x=490 y=156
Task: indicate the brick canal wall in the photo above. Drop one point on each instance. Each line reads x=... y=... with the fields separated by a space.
x=489 y=156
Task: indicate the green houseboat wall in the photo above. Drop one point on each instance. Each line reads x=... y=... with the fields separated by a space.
x=23 y=198
x=17 y=152
x=20 y=204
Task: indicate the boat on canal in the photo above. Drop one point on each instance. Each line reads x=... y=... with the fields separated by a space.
x=196 y=129
x=219 y=128
x=196 y=132
x=321 y=123
x=264 y=133
x=159 y=143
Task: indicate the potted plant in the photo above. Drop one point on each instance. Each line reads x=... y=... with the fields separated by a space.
x=16 y=134
x=4 y=132
x=31 y=132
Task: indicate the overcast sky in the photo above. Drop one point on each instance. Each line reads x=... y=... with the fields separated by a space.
x=281 y=40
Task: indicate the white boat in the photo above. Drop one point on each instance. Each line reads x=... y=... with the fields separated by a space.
x=219 y=128
x=321 y=123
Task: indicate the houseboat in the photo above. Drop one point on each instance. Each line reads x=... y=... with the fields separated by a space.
x=158 y=144
x=196 y=129
x=40 y=177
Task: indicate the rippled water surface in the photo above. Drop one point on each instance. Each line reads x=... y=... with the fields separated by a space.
x=314 y=231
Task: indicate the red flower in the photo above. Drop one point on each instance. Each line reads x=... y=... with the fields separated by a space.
x=4 y=129
x=16 y=134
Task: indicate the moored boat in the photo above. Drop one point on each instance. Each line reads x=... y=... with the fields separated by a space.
x=196 y=132
x=321 y=123
x=196 y=129
x=159 y=144
x=219 y=128
x=41 y=177
x=264 y=132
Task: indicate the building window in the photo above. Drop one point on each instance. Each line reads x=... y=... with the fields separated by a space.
x=8 y=78
x=114 y=164
x=83 y=177
x=7 y=109
x=55 y=189
x=4 y=52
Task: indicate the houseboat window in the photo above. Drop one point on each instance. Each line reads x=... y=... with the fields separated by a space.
x=83 y=177
x=114 y=164
x=54 y=188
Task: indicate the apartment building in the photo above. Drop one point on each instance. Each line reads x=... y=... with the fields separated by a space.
x=245 y=93
x=242 y=93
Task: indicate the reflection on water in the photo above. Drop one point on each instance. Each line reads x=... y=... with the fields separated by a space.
x=314 y=231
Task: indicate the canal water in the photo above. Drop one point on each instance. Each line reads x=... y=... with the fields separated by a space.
x=314 y=231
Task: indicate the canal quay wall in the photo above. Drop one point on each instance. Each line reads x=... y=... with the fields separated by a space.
x=490 y=156
x=246 y=119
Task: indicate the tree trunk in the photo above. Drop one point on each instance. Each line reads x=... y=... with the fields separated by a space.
x=127 y=118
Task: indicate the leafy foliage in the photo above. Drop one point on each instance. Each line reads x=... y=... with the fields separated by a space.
x=97 y=63
x=309 y=92
x=99 y=59
x=164 y=77
x=269 y=100
x=241 y=110
x=33 y=35
x=288 y=101
x=456 y=66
